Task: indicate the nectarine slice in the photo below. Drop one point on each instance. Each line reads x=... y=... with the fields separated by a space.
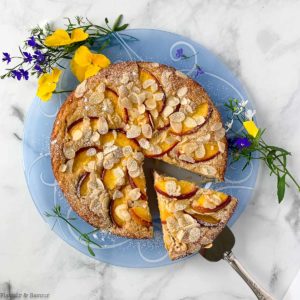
x=139 y=182
x=113 y=97
x=163 y=212
x=121 y=140
x=211 y=150
x=77 y=125
x=146 y=75
x=206 y=220
x=82 y=186
x=187 y=189
x=110 y=178
x=83 y=157
x=113 y=213
x=202 y=111
x=141 y=215
x=198 y=205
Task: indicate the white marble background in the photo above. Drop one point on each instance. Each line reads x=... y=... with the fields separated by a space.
x=260 y=41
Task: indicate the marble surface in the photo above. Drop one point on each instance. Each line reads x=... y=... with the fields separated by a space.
x=260 y=42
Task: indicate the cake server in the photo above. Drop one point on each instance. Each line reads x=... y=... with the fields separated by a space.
x=221 y=249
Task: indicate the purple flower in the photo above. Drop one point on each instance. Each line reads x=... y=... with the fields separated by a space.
x=24 y=74
x=16 y=74
x=27 y=57
x=179 y=53
x=6 y=57
x=199 y=71
x=31 y=42
x=39 y=56
x=241 y=143
x=38 y=68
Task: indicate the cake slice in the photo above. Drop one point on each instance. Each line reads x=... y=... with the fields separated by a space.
x=191 y=216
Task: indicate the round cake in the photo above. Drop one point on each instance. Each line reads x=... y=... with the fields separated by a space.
x=115 y=120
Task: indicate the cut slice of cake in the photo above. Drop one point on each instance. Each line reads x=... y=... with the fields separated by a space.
x=191 y=216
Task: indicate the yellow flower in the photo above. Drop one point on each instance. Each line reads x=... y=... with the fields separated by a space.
x=47 y=84
x=85 y=64
x=251 y=128
x=60 y=37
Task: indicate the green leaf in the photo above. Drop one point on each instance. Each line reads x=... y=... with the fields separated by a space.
x=123 y=27
x=117 y=23
x=280 y=187
x=91 y=250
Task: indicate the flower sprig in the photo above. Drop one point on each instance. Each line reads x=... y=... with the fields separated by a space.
x=43 y=51
x=249 y=144
x=56 y=213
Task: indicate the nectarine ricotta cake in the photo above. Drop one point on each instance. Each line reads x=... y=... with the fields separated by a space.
x=191 y=217
x=115 y=119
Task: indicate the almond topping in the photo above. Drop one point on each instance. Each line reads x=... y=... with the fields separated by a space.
x=125 y=78
x=208 y=170
x=141 y=108
x=147 y=83
x=186 y=158
x=63 y=168
x=133 y=132
x=127 y=151
x=131 y=164
x=176 y=127
x=154 y=87
x=147 y=131
x=91 y=152
x=144 y=143
x=95 y=137
x=117 y=194
x=134 y=194
x=173 y=101
x=221 y=146
x=122 y=91
x=194 y=234
x=200 y=151
x=81 y=89
x=167 y=111
x=69 y=152
x=122 y=212
x=150 y=103
x=154 y=113
x=199 y=120
x=190 y=122
x=134 y=98
x=158 y=96
x=182 y=92
x=125 y=102
x=77 y=135
x=102 y=125
x=216 y=126
x=177 y=117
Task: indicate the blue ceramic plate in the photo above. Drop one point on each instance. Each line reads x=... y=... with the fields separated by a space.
x=137 y=44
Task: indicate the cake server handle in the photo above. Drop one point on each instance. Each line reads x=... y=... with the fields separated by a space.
x=260 y=293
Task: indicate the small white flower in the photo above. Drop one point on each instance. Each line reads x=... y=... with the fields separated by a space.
x=243 y=103
x=239 y=110
x=249 y=114
x=228 y=125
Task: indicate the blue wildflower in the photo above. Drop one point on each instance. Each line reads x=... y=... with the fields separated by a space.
x=38 y=68
x=6 y=57
x=199 y=71
x=16 y=74
x=179 y=53
x=27 y=57
x=24 y=74
x=39 y=56
x=241 y=143
x=31 y=42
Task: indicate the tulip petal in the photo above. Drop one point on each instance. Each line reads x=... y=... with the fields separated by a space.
x=78 y=35
x=82 y=56
x=55 y=74
x=91 y=71
x=58 y=38
x=78 y=70
x=251 y=128
x=100 y=60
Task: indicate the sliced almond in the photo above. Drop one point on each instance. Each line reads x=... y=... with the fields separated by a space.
x=167 y=111
x=219 y=134
x=125 y=102
x=216 y=126
x=176 y=127
x=186 y=158
x=69 y=152
x=122 y=212
x=102 y=125
x=182 y=91
x=101 y=87
x=131 y=164
x=122 y=91
x=134 y=174
x=177 y=117
x=134 y=194
x=154 y=113
x=147 y=131
x=173 y=101
x=141 y=108
x=117 y=194
x=200 y=151
x=221 y=146
x=158 y=96
x=199 y=120
x=95 y=137
x=91 y=152
x=204 y=138
x=77 y=135
x=208 y=170
x=144 y=143
x=81 y=89
x=147 y=83
x=133 y=97
x=63 y=168
x=139 y=156
x=154 y=87
x=194 y=234
x=133 y=132
x=190 y=122
x=125 y=78
x=127 y=151
x=150 y=103
x=190 y=147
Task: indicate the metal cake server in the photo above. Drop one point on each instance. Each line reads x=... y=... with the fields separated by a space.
x=221 y=249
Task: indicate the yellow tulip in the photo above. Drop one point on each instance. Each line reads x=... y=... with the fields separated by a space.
x=251 y=128
x=60 y=37
x=47 y=84
x=85 y=64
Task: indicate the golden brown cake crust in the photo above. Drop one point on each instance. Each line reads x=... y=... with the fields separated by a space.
x=75 y=107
